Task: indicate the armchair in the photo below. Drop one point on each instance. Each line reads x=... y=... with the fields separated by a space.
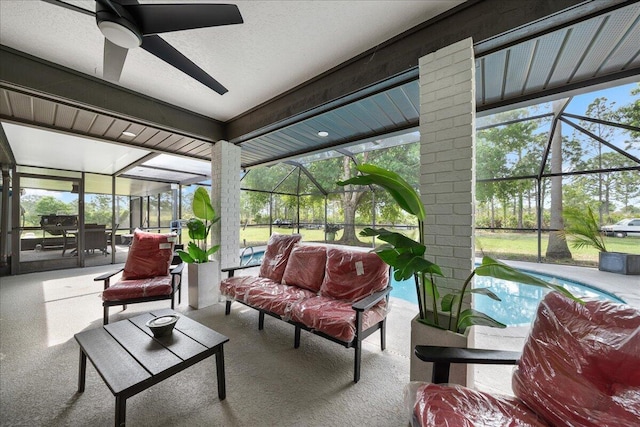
x=147 y=274
x=579 y=367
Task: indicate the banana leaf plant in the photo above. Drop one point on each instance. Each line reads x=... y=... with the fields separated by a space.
x=199 y=227
x=407 y=257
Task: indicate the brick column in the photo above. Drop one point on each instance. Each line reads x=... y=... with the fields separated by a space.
x=225 y=198
x=447 y=174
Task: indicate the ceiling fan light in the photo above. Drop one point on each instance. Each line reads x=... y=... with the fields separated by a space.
x=119 y=35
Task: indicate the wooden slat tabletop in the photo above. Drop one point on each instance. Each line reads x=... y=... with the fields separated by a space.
x=115 y=365
x=126 y=354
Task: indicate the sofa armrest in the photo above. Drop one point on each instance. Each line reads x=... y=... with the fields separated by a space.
x=231 y=270
x=442 y=357
x=367 y=302
x=106 y=277
x=176 y=269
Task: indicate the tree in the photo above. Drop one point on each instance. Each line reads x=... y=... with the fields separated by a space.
x=600 y=108
x=630 y=114
x=557 y=247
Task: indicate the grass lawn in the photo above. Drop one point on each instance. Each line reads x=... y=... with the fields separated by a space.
x=524 y=246
x=505 y=245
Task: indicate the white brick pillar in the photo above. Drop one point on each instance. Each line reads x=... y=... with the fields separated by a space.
x=225 y=198
x=204 y=279
x=447 y=174
x=447 y=185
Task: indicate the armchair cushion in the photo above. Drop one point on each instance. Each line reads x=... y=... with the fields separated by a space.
x=306 y=266
x=454 y=405
x=276 y=255
x=580 y=363
x=352 y=275
x=138 y=288
x=150 y=255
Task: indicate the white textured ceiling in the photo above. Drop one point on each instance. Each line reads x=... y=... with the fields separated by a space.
x=280 y=45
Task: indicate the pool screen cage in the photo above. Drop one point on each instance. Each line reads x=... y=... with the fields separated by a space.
x=531 y=164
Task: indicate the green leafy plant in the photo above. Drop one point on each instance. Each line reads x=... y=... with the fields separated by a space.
x=407 y=257
x=199 y=228
x=583 y=228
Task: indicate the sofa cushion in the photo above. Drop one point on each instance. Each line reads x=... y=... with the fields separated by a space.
x=305 y=267
x=351 y=275
x=333 y=317
x=579 y=364
x=149 y=255
x=277 y=254
x=237 y=287
x=138 y=288
x=436 y=405
x=276 y=298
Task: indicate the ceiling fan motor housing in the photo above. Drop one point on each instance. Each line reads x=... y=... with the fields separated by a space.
x=120 y=30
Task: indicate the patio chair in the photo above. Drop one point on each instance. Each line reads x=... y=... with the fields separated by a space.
x=147 y=275
x=68 y=241
x=579 y=367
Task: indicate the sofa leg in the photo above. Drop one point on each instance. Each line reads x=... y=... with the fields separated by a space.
x=173 y=302
x=296 y=341
x=227 y=307
x=383 y=334
x=260 y=320
x=105 y=315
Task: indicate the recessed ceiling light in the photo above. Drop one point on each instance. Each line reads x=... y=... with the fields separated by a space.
x=323 y=134
x=127 y=133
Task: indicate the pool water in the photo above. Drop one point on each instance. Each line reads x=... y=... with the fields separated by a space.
x=519 y=301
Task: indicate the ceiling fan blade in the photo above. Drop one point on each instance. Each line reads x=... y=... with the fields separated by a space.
x=163 y=18
x=113 y=61
x=163 y=50
x=70 y=7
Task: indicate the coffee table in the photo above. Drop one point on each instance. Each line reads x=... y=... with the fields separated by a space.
x=129 y=359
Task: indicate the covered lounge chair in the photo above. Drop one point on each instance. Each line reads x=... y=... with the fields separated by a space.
x=580 y=367
x=147 y=275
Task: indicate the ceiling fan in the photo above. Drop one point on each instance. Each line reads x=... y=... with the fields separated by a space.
x=127 y=24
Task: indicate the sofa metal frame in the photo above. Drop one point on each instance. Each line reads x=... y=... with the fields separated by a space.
x=359 y=307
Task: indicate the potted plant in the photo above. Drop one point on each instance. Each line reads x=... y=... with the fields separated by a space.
x=583 y=227
x=331 y=230
x=202 y=271
x=407 y=257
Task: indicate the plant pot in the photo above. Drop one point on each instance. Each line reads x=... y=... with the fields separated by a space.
x=204 y=284
x=331 y=236
x=422 y=334
x=619 y=262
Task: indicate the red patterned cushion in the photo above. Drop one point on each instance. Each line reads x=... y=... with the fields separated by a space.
x=237 y=287
x=452 y=405
x=305 y=267
x=150 y=255
x=138 y=288
x=580 y=363
x=276 y=298
x=335 y=318
x=277 y=254
x=352 y=275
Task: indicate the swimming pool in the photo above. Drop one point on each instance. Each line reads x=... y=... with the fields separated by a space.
x=519 y=301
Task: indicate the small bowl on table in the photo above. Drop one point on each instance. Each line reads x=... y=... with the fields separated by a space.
x=163 y=325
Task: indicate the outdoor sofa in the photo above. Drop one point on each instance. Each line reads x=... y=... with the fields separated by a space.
x=338 y=293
